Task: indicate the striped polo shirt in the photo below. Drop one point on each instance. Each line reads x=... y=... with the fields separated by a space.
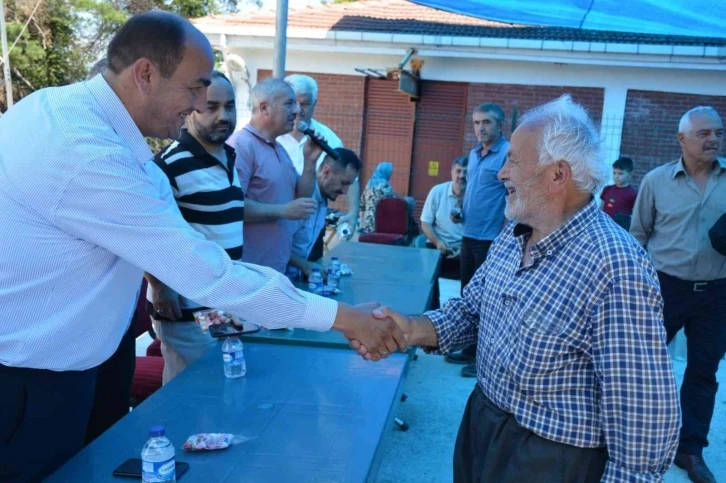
x=208 y=194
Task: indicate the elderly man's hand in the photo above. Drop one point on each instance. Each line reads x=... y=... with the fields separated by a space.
x=375 y=338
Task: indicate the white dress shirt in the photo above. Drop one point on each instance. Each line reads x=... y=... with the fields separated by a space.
x=83 y=213
x=295 y=148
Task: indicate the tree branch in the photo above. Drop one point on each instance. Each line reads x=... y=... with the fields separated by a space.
x=22 y=78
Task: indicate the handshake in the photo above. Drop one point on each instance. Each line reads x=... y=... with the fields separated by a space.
x=372 y=330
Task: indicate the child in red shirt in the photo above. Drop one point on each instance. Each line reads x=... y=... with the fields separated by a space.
x=618 y=200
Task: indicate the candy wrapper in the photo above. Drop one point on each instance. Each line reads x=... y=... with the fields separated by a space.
x=345 y=270
x=212 y=441
x=329 y=291
x=205 y=318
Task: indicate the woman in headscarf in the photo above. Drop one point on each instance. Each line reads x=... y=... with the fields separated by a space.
x=378 y=187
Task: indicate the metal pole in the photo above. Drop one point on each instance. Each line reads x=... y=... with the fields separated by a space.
x=6 y=57
x=278 y=70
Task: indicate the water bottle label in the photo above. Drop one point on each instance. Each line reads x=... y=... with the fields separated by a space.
x=162 y=471
x=230 y=357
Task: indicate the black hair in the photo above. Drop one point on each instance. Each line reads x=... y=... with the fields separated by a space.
x=624 y=163
x=347 y=158
x=462 y=161
x=494 y=109
x=220 y=75
x=155 y=35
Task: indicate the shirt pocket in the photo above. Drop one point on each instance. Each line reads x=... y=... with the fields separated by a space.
x=540 y=350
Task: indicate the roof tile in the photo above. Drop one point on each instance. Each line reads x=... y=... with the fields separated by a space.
x=403 y=17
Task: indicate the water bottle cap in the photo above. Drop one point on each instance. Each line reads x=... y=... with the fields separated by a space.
x=335 y=259
x=316 y=269
x=157 y=431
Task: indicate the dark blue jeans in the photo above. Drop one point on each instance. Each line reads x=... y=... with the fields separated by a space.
x=43 y=419
x=701 y=310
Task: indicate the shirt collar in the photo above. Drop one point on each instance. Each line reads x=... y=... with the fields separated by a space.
x=496 y=147
x=251 y=129
x=119 y=118
x=195 y=147
x=550 y=244
x=679 y=168
x=451 y=190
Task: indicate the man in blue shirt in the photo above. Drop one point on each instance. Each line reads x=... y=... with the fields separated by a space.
x=483 y=209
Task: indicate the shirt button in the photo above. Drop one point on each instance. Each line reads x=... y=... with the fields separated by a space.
x=491 y=340
x=506 y=303
x=549 y=252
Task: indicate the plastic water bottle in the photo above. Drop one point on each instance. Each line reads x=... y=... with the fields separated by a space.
x=157 y=458
x=315 y=281
x=344 y=231
x=233 y=357
x=334 y=273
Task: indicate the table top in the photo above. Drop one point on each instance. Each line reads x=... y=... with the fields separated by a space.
x=313 y=415
x=373 y=262
x=409 y=299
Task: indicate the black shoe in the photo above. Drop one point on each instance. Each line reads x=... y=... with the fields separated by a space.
x=460 y=358
x=697 y=470
x=468 y=371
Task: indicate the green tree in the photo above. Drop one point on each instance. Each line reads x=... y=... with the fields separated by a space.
x=63 y=38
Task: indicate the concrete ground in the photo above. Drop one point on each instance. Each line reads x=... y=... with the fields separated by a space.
x=437 y=396
x=436 y=399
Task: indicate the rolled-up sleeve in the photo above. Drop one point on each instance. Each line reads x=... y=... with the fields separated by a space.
x=640 y=411
x=118 y=206
x=457 y=322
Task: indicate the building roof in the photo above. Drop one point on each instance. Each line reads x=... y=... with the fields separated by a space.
x=403 y=17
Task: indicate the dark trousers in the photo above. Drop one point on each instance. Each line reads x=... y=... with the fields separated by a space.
x=492 y=447
x=473 y=254
x=448 y=268
x=316 y=253
x=701 y=311
x=113 y=386
x=43 y=417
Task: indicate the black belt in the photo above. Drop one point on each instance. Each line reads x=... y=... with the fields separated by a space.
x=703 y=286
x=187 y=314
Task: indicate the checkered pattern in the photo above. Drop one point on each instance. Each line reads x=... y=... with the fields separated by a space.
x=573 y=344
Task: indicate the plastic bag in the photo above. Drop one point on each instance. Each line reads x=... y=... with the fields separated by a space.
x=212 y=441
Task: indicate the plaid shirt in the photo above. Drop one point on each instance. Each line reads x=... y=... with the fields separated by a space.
x=573 y=344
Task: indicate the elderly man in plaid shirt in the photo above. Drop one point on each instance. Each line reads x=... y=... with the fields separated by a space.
x=574 y=381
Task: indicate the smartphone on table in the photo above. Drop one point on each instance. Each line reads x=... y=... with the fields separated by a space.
x=131 y=468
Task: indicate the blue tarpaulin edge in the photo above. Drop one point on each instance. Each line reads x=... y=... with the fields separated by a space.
x=693 y=18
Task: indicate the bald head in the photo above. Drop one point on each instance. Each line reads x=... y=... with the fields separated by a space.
x=161 y=37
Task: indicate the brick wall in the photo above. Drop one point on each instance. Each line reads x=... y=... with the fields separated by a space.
x=650 y=126
x=526 y=97
x=340 y=104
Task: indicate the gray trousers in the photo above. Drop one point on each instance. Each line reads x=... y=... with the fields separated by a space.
x=493 y=448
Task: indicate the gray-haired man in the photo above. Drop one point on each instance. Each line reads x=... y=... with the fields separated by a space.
x=574 y=380
x=677 y=205
x=306 y=92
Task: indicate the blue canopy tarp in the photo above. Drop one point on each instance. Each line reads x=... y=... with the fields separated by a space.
x=702 y=18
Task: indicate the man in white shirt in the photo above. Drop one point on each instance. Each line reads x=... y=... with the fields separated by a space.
x=334 y=178
x=83 y=213
x=306 y=90
x=439 y=212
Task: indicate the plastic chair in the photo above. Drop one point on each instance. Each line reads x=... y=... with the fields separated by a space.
x=391 y=223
